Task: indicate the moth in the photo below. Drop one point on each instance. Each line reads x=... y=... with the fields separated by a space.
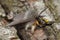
x=29 y=16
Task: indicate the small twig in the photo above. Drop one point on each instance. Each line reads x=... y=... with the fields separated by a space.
x=5 y=7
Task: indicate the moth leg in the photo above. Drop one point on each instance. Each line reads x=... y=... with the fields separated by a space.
x=33 y=28
x=27 y=26
x=34 y=25
x=31 y=24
